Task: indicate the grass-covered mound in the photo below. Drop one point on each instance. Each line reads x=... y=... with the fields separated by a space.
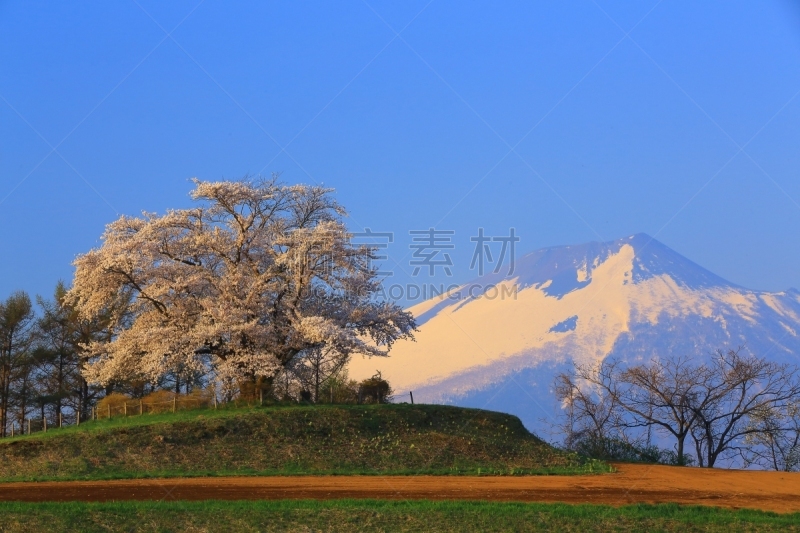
x=378 y=516
x=378 y=439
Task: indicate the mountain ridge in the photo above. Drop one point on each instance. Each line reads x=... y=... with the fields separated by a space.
x=632 y=298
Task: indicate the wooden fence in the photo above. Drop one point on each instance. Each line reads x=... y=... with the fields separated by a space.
x=129 y=408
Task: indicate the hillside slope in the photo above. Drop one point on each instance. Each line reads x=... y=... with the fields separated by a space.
x=381 y=439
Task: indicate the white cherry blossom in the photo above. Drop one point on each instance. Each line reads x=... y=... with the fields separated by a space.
x=254 y=275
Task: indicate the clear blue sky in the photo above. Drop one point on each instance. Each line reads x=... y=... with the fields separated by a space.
x=540 y=116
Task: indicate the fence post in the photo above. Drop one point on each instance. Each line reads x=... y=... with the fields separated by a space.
x=79 y=418
x=44 y=424
x=411 y=393
x=12 y=429
x=141 y=410
x=125 y=408
x=109 y=410
x=215 y=399
x=60 y=420
x=29 y=426
x=174 y=402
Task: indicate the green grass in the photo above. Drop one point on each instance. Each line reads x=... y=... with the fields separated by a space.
x=370 y=515
x=296 y=440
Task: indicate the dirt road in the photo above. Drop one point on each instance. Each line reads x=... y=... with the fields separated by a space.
x=771 y=491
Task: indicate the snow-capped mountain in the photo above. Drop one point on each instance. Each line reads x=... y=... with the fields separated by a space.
x=634 y=298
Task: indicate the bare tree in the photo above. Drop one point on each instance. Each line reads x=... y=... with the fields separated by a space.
x=726 y=406
x=734 y=389
x=313 y=368
x=592 y=418
x=661 y=395
x=775 y=443
x=607 y=398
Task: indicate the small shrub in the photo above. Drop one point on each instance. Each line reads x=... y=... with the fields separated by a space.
x=160 y=401
x=374 y=390
x=618 y=449
x=114 y=405
x=163 y=401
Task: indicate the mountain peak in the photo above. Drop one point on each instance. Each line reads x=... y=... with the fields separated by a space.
x=632 y=299
x=559 y=270
x=639 y=237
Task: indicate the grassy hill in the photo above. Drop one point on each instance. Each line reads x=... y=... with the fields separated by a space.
x=377 y=439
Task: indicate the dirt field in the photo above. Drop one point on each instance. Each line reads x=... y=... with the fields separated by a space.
x=772 y=491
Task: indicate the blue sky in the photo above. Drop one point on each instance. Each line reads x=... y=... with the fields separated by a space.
x=568 y=121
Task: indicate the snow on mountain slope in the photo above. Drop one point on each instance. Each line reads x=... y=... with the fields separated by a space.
x=633 y=298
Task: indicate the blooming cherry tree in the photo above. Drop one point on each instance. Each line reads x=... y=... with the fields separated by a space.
x=251 y=278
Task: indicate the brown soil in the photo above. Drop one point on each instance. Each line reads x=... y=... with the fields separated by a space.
x=772 y=491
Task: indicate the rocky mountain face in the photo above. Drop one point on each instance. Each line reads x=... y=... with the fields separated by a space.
x=498 y=341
